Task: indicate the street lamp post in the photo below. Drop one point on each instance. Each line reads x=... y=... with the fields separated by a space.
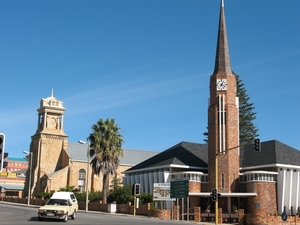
x=87 y=176
x=30 y=171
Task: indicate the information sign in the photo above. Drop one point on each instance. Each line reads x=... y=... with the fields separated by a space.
x=180 y=189
x=161 y=191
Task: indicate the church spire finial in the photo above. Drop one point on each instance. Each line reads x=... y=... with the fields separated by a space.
x=52 y=93
x=222 y=63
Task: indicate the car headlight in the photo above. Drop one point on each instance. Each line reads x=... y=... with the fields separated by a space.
x=41 y=211
x=60 y=212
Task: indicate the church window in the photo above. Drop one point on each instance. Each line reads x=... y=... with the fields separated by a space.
x=222 y=123
x=81 y=180
x=221 y=111
x=222 y=180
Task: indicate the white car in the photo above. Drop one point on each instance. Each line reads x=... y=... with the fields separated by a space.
x=59 y=207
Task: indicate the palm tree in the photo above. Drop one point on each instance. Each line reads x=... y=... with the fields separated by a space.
x=105 y=144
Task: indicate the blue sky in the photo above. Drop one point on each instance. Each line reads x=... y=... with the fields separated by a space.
x=147 y=64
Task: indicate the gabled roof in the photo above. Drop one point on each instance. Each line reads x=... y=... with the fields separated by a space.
x=272 y=152
x=195 y=155
x=184 y=153
x=133 y=157
x=78 y=152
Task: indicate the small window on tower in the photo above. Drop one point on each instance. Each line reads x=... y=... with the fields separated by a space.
x=222 y=180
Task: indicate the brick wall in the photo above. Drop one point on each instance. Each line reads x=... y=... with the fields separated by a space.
x=264 y=204
x=194 y=186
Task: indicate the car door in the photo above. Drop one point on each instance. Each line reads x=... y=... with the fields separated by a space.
x=74 y=202
x=70 y=207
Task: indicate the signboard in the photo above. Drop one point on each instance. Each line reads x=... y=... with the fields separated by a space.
x=180 y=189
x=161 y=191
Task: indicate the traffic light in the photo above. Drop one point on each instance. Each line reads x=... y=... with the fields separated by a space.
x=2 y=144
x=257 y=145
x=214 y=194
x=136 y=189
x=5 y=156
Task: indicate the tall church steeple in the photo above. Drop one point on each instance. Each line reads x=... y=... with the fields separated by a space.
x=223 y=118
x=222 y=63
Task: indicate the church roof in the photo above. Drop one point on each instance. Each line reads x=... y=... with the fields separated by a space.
x=133 y=157
x=182 y=154
x=272 y=152
x=194 y=155
x=78 y=152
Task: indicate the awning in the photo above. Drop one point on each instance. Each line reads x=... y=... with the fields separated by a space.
x=12 y=187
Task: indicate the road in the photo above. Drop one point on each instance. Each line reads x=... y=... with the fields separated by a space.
x=11 y=214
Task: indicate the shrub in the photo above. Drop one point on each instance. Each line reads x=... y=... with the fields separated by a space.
x=45 y=195
x=80 y=196
x=69 y=188
x=120 y=195
x=95 y=196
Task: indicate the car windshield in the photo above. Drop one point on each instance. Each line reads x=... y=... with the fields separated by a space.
x=57 y=202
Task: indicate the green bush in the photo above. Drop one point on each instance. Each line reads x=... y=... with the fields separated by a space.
x=146 y=198
x=123 y=195
x=45 y=195
x=80 y=196
x=69 y=188
x=120 y=195
x=95 y=196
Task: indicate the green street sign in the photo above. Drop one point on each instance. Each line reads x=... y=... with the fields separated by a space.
x=179 y=189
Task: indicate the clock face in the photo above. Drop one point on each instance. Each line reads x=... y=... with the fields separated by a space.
x=51 y=122
x=221 y=84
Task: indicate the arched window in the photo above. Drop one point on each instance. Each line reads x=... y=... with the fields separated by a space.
x=81 y=180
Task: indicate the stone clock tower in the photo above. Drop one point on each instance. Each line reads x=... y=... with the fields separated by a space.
x=48 y=146
x=223 y=119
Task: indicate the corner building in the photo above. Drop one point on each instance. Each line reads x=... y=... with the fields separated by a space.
x=259 y=184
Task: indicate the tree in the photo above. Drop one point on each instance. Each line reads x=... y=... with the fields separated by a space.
x=248 y=131
x=106 y=144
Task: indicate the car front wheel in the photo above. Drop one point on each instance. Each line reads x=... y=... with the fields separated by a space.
x=73 y=215
x=66 y=218
x=40 y=218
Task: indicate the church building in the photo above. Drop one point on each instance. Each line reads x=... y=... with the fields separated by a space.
x=256 y=182
x=57 y=163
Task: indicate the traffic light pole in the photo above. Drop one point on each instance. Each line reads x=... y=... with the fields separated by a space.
x=134 y=205
x=216 y=183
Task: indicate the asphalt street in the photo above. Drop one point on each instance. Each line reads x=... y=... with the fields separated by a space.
x=15 y=214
